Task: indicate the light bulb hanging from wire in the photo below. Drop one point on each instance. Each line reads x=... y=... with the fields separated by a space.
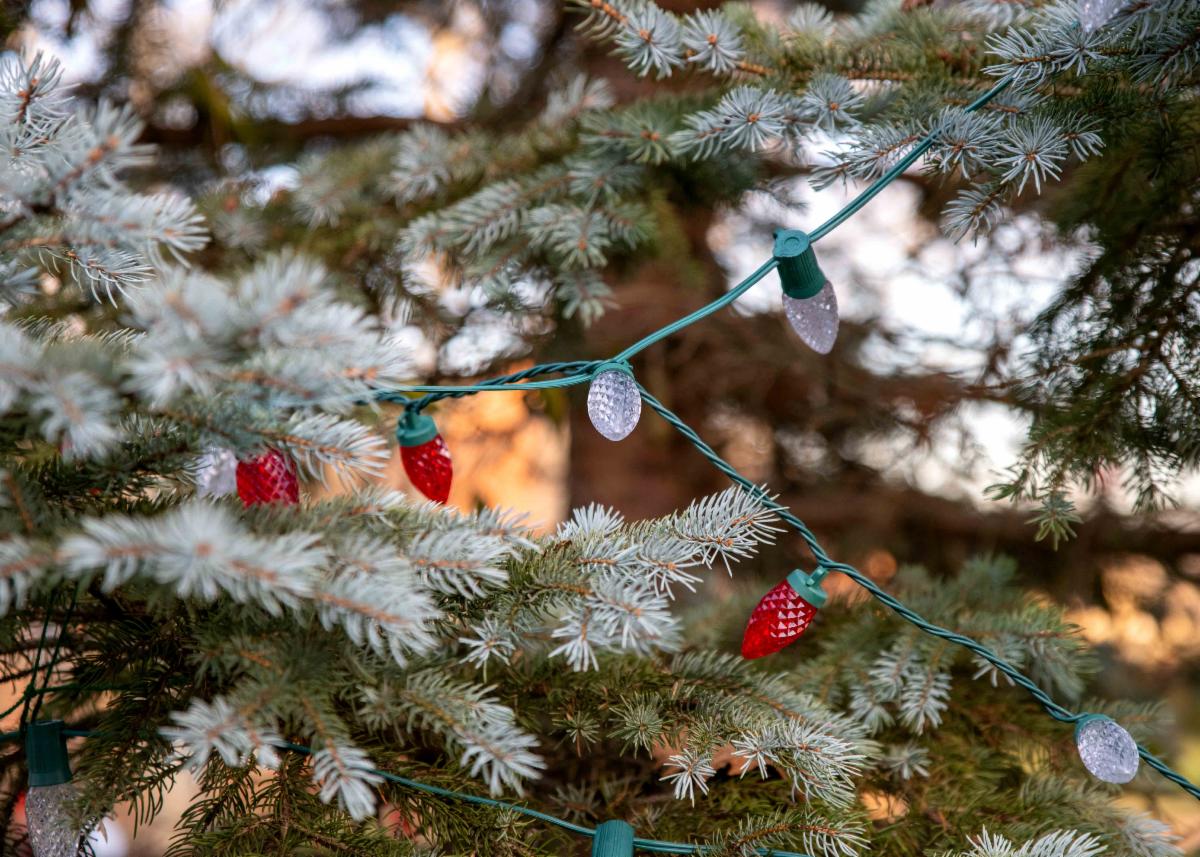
x=783 y=614
x=48 y=818
x=425 y=456
x=809 y=301
x=614 y=402
x=268 y=478
x=1106 y=749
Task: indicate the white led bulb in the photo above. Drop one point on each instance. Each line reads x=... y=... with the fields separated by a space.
x=216 y=472
x=814 y=319
x=1094 y=14
x=52 y=832
x=1107 y=750
x=48 y=811
x=614 y=403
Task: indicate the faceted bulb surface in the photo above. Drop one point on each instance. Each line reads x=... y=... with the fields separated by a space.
x=1094 y=14
x=814 y=319
x=216 y=472
x=778 y=620
x=614 y=404
x=270 y=478
x=51 y=831
x=429 y=468
x=1107 y=750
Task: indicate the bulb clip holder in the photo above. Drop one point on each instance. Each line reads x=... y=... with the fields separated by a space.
x=808 y=587
x=613 y=839
x=613 y=366
x=799 y=272
x=46 y=754
x=1085 y=719
x=415 y=428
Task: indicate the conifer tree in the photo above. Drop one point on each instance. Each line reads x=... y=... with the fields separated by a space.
x=144 y=605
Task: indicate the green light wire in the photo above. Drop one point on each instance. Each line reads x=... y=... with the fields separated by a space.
x=852 y=207
x=490 y=388
x=27 y=697
x=62 y=633
x=848 y=211
x=654 y=845
x=465 y=798
x=704 y=311
x=580 y=368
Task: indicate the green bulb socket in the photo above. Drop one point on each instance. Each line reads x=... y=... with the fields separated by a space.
x=613 y=366
x=808 y=587
x=799 y=272
x=415 y=428
x=1084 y=720
x=613 y=839
x=46 y=754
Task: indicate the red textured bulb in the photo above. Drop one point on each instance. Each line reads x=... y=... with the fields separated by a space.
x=782 y=615
x=270 y=478
x=429 y=469
x=425 y=456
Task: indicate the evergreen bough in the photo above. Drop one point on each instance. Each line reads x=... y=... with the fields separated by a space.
x=401 y=636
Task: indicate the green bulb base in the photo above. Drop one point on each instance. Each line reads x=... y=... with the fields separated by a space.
x=613 y=366
x=46 y=754
x=808 y=587
x=415 y=428
x=799 y=272
x=613 y=839
x=1085 y=719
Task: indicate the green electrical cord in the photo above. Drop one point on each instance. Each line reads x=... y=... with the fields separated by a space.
x=923 y=146
x=62 y=632
x=580 y=370
x=721 y=302
x=27 y=697
x=654 y=845
x=580 y=830
x=484 y=388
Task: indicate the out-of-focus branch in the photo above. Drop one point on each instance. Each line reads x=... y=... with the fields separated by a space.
x=275 y=133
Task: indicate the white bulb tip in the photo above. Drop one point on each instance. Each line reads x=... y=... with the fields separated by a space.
x=614 y=404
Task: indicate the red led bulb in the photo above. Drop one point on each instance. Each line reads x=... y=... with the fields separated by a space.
x=425 y=456
x=783 y=614
x=270 y=478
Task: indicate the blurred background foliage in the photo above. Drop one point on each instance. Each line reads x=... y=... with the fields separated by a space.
x=885 y=447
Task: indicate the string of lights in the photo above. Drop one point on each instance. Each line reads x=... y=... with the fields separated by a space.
x=615 y=401
x=1116 y=756
x=614 y=406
